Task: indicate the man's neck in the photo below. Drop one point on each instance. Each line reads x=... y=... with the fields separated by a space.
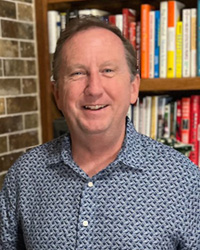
x=95 y=152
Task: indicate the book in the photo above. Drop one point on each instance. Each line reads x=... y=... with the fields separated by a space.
x=174 y=13
x=53 y=32
x=193 y=55
x=161 y=115
x=148 y=115
x=142 y=116
x=178 y=119
x=163 y=38
x=186 y=42
x=132 y=34
x=119 y=21
x=185 y=120
x=179 y=44
x=151 y=43
x=154 y=117
x=198 y=37
x=92 y=12
x=138 y=44
x=136 y=114
x=129 y=15
x=112 y=19
x=167 y=120
x=194 y=123
x=145 y=9
x=157 y=44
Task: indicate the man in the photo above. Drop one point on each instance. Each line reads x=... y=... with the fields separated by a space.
x=104 y=186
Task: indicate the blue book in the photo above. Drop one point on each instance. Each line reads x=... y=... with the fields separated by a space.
x=157 y=44
x=198 y=37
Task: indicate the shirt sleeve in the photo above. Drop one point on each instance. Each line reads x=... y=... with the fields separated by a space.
x=191 y=220
x=10 y=236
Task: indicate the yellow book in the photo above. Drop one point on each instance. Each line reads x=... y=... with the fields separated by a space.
x=179 y=48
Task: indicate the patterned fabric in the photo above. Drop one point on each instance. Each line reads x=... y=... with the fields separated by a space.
x=147 y=199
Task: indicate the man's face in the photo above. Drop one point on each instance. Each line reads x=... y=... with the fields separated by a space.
x=94 y=89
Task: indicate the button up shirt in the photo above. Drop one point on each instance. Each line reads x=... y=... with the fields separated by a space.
x=147 y=199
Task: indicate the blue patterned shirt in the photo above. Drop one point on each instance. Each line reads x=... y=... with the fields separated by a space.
x=147 y=199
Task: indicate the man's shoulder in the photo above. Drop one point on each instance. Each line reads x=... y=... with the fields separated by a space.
x=44 y=154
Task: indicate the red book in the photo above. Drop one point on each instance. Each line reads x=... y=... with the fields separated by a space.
x=145 y=9
x=111 y=19
x=129 y=15
x=185 y=121
x=132 y=34
x=178 y=120
x=194 y=123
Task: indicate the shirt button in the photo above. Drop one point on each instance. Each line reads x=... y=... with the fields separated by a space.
x=85 y=223
x=90 y=184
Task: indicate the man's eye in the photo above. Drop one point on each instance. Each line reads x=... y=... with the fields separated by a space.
x=77 y=75
x=107 y=70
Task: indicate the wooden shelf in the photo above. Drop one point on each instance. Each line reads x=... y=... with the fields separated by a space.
x=170 y=84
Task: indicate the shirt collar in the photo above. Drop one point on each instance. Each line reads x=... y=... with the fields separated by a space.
x=129 y=155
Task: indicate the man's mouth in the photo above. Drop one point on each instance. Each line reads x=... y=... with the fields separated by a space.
x=94 y=107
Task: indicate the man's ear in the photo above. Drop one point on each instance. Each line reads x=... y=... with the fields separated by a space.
x=135 y=86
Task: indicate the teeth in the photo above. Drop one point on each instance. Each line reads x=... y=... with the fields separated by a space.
x=95 y=107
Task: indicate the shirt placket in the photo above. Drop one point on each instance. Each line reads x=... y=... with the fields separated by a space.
x=85 y=220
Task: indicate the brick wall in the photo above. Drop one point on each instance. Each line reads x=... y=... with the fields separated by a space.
x=19 y=99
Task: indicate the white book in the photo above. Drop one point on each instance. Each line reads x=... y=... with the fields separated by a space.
x=193 y=56
x=136 y=113
x=163 y=38
x=151 y=43
x=142 y=116
x=92 y=12
x=129 y=113
x=186 y=42
x=119 y=21
x=52 y=30
x=148 y=116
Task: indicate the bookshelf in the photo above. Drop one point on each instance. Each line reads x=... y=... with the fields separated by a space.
x=49 y=111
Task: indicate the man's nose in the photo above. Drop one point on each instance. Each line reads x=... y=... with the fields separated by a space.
x=94 y=84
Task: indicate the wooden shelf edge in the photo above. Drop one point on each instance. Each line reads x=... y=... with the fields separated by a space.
x=63 y=1
x=170 y=84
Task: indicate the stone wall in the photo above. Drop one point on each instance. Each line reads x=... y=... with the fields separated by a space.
x=19 y=92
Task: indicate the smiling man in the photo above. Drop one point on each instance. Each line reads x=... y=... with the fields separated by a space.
x=102 y=186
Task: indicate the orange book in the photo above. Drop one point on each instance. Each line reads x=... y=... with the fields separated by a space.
x=174 y=13
x=145 y=9
x=132 y=34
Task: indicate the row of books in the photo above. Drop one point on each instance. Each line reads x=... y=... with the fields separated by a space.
x=169 y=38
x=163 y=116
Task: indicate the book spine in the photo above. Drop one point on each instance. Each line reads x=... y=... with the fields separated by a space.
x=148 y=116
x=198 y=37
x=154 y=117
x=112 y=19
x=157 y=44
x=136 y=115
x=185 y=121
x=193 y=43
x=52 y=30
x=179 y=49
x=151 y=43
x=194 y=122
x=186 y=43
x=171 y=40
x=129 y=15
x=145 y=9
x=132 y=34
x=138 y=34
x=119 y=21
x=163 y=38
x=178 y=120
